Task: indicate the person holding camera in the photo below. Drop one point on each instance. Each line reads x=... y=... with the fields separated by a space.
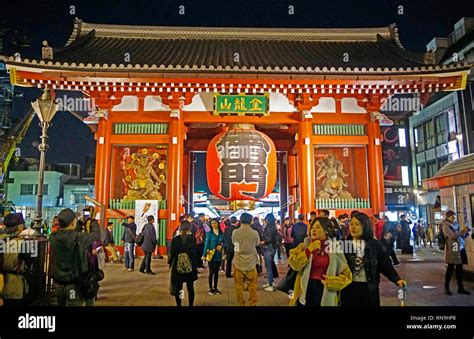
x=455 y=253
x=128 y=240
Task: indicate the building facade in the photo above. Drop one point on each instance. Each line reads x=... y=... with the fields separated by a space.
x=162 y=93
x=443 y=130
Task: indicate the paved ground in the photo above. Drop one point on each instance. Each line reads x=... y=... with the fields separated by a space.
x=424 y=272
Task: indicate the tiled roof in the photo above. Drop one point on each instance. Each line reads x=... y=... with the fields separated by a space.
x=247 y=50
x=241 y=47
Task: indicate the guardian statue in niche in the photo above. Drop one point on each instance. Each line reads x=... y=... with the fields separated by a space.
x=147 y=183
x=332 y=172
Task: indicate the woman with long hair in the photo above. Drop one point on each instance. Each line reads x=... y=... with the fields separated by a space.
x=183 y=263
x=213 y=254
x=367 y=259
x=270 y=245
x=321 y=265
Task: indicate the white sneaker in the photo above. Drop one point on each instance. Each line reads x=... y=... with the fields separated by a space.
x=266 y=285
x=269 y=288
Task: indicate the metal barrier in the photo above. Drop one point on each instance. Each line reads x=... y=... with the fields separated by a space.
x=38 y=275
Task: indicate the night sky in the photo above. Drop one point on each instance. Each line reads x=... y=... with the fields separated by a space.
x=71 y=141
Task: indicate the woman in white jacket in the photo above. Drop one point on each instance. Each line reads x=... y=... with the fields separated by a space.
x=322 y=267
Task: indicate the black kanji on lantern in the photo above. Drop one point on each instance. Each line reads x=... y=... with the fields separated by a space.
x=243 y=157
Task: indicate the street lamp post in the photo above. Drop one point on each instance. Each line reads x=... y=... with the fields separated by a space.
x=45 y=108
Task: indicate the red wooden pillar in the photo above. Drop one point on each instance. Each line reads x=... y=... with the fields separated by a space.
x=99 y=161
x=291 y=185
x=306 y=175
x=175 y=174
x=108 y=165
x=375 y=167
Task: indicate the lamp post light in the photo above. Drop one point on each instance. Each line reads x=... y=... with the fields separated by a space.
x=45 y=108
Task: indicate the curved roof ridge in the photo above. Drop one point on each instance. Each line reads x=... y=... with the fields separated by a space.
x=181 y=32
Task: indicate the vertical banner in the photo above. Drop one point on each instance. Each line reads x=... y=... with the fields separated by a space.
x=144 y=208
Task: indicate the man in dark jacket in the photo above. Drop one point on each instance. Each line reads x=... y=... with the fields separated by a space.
x=15 y=263
x=299 y=231
x=128 y=239
x=389 y=235
x=69 y=255
x=149 y=245
x=229 y=247
x=405 y=224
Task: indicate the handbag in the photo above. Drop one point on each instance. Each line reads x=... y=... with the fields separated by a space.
x=88 y=281
x=140 y=238
x=210 y=255
x=287 y=283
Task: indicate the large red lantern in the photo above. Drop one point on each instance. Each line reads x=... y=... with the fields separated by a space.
x=241 y=164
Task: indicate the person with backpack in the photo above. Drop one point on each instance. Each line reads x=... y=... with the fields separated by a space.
x=455 y=253
x=148 y=245
x=70 y=260
x=270 y=245
x=183 y=264
x=299 y=231
x=128 y=239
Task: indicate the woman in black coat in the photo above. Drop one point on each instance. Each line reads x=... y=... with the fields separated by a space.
x=367 y=260
x=183 y=264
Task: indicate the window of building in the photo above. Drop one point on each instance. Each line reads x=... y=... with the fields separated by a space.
x=441 y=129
x=405 y=176
x=419 y=138
x=402 y=137
x=45 y=189
x=432 y=168
x=423 y=172
x=429 y=134
x=27 y=189
x=79 y=198
x=418 y=173
x=452 y=121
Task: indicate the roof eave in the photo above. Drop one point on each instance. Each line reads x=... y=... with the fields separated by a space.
x=51 y=66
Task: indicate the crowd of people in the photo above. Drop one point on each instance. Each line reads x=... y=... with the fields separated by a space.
x=326 y=273
x=331 y=261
